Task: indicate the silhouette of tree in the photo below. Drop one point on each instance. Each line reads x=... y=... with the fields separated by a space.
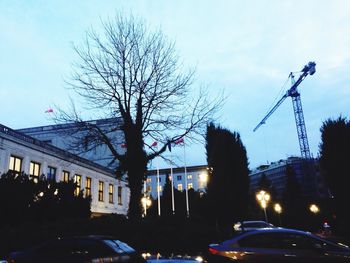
x=334 y=160
x=228 y=185
x=135 y=77
x=23 y=200
x=294 y=206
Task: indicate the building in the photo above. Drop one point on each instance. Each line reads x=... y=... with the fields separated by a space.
x=307 y=174
x=22 y=153
x=78 y=140
x=197 y=177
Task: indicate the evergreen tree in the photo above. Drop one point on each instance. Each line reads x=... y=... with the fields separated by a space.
x=228 y=185
x=294 y=205
x=334 y=160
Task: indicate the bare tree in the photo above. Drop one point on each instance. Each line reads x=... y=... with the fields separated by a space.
x=135 y=76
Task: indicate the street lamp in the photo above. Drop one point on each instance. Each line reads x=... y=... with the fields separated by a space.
x=263 y=198
x=146 y=203
x=314 y=208
x=278 y=209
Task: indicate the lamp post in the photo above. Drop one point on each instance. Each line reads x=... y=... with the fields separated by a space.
x=146 y=203
x=278 y=209
x=263 y=198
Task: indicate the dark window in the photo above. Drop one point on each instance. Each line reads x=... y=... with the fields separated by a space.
x=120 y=195
x=51 y=173
x=179 y=177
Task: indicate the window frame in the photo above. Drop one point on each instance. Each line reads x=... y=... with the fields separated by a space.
x=34 y=171
x=110 y=193
x=77 y=181
x=65 y=176
x=13 y=159
x=100 y=191
x=88 y=186
x=49 y=174
x=120 y=201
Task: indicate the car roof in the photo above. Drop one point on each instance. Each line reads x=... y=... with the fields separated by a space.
x=254 y=221
x=267 y=230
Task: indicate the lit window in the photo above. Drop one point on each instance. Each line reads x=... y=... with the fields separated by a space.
x=77 y=181
x=100 y=191
x=189 y=186
x=65 y=176
x=179 y=187
x=189 y=177
x=120 y=195
x=51 y=173
x=160 y=188
x=110 y=193
x=88 y=186
x=34 y=171
x=15 y=164
x=149 y=180
x=149 y=188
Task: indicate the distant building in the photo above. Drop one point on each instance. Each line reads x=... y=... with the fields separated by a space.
x=22 y=153
x=197 y=177
x=308 y=176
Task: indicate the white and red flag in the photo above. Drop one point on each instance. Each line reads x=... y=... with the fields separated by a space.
x=154 y=144
x=123 y=145
x=49 y=110
x=180 y=141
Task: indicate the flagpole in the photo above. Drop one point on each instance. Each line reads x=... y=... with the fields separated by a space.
x=158 y=190
x=145 y=198
x=186 y=186
x=172 y=189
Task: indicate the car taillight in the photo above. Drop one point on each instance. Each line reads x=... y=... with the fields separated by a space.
x=213 y=251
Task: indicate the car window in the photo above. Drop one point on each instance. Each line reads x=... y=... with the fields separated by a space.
x=280 y=241
x=259 y=240
x=255 y=225
x=118 y=246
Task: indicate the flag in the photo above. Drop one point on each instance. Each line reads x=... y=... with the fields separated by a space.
x=49 y=110
x=154 y=144
x=123 y=145
x=181 y=140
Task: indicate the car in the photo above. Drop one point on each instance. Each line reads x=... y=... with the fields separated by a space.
x=278 y=245
x=251 y=225
x=79 y=249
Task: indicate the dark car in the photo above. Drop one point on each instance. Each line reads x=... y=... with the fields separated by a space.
x=278 y=245
x=79 y=249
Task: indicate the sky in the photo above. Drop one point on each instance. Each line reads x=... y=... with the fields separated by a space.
x=245 y=48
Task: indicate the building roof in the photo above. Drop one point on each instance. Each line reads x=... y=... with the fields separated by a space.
x=17 y=136
x=177 y=170
x=64 y=126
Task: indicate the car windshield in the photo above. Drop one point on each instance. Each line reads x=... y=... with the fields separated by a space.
x=118 y=246
x=256 y=224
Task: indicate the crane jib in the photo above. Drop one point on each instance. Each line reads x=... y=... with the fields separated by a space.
x=308 y=69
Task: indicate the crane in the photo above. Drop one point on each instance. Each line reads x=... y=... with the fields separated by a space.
x=308 y=69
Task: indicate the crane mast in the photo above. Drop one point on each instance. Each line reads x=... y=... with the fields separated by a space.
x=308 y=69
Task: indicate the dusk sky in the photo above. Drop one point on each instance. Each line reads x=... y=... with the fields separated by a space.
x=246 y=48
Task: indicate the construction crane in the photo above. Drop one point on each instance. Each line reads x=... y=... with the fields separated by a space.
x=308 y=69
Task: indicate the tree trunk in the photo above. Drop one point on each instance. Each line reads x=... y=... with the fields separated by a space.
x=136 y=165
